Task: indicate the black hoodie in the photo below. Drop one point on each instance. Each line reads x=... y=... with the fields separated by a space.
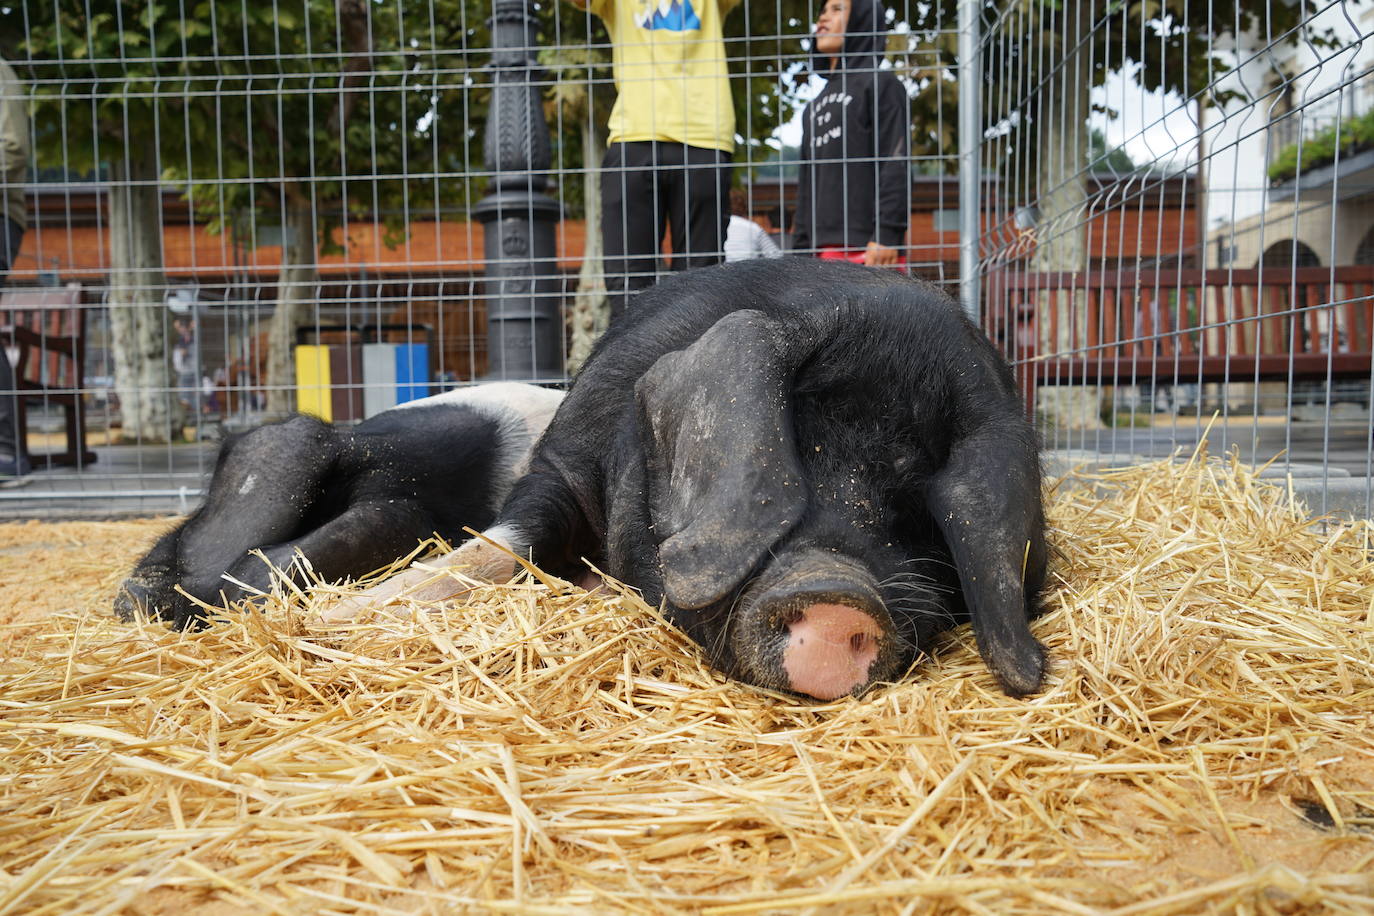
x=852 y=184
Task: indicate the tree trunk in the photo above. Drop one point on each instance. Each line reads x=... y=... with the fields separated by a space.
x=297 y=296
x=591 y=310
x=1062 y=244
x=150 y=410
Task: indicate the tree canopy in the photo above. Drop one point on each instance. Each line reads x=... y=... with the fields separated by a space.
x=380 y=103
x=355 y=107
x=1177 y=46
x=362 y=106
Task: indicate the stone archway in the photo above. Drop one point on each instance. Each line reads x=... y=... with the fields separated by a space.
x=1277 y=329
x=1289 y=253
x=1364 y=254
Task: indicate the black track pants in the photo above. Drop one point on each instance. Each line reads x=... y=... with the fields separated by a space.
x=645 y=185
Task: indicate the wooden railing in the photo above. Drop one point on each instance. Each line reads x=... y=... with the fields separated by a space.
x=1170 y=326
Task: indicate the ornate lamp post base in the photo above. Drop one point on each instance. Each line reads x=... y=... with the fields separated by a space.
x=523 y=288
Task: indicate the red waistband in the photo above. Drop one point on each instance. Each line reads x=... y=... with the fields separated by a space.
x=853 y=255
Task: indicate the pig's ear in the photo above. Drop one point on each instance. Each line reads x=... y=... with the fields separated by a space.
x=723 y=476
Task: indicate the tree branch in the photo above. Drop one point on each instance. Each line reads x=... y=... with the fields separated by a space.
x=357 y=41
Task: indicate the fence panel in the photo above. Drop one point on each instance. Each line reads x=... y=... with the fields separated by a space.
x=1178 y=226
x=229 y=183
x=1173 y=203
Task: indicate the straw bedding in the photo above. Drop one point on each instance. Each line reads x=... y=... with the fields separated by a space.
x=1206 y=743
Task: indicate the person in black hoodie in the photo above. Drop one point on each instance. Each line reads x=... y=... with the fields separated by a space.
x=853 y=185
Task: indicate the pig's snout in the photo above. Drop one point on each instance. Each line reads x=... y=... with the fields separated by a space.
x=830 y=650
x=815 y=624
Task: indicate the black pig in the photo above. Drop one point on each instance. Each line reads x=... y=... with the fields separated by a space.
x=814 y=466
x=349 y=500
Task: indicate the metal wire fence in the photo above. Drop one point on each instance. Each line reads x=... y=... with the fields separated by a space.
x=1177 y=227
x=233 y=210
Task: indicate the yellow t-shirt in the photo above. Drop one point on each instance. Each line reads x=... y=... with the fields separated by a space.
x=670 y=75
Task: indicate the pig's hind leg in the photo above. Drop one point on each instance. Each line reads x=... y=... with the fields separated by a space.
x=542 y=520
x=265 y=487
x=367 y=535
x=483 y=560
x=151 y=587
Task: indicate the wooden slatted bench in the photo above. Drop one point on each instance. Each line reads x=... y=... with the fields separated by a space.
x=46 y=327
x=1171 y=326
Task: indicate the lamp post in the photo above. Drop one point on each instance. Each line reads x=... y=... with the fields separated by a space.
x=524 y=327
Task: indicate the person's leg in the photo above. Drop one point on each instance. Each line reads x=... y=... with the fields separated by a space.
x=700 y=212
x=631 y=221
x=13 y=464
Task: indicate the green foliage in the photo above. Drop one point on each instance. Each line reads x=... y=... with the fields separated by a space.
x=1100 y=158
x=926 y=57
x=355 y=108
x=768 y=64
x=1125 y=419
x=1352 y=136
x=336 y=105
x=576 y=58
x=377 y=106
x=1174 y=45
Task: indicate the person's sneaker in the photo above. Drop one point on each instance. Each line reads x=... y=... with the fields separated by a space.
x=13 y=470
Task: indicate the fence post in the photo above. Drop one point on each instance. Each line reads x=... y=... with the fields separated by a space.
x=524 y=328
x=970 y=138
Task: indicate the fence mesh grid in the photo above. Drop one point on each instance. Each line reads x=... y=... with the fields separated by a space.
x=1177 y=226
x=240 y=209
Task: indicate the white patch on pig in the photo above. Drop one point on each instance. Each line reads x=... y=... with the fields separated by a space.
x=487 y=562
x=521 y=412
x=509 y=537
x=249 y=483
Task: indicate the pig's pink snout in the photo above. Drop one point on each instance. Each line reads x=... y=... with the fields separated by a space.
x=830 y=648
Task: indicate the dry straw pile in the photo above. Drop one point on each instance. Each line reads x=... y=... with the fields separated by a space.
x=1206 y=743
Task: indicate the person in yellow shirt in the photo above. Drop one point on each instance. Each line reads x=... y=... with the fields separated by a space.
x=672 y=138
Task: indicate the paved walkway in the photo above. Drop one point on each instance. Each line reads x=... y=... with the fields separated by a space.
x=124 y=481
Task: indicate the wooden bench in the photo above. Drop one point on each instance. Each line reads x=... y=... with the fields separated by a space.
x=47 y=329
x=1171 y=326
